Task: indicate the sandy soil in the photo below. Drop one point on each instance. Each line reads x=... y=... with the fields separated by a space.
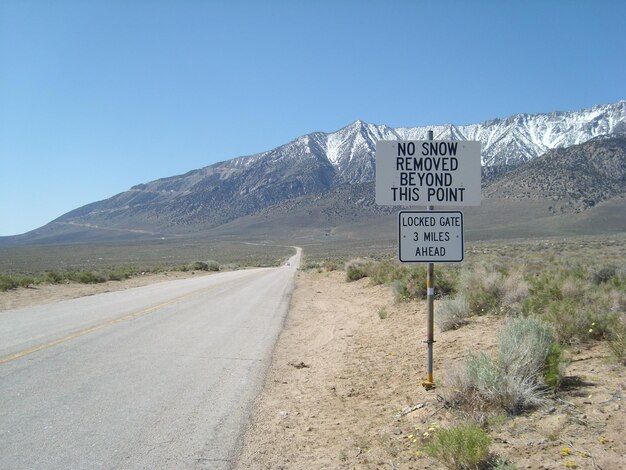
x=44 y=293
x=341 y=376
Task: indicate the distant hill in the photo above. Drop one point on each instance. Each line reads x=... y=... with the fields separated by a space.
x=326 y=178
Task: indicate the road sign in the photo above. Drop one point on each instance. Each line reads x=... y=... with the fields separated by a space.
x=427 y=173
x=430 y=236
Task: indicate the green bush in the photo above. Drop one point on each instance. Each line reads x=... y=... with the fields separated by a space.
x=52 y=277
x=604 y=274
x=582 y=321
x=121 y=273
x=356 y=269
x=386 y=272
x=7 y=283
x=482 y=302
x=553 y=370
x=26 y=281
x=461 y=447
x=198 y=266
x=85 y=277
x=212 y=265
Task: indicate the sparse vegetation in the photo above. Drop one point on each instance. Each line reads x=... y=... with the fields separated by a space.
x=356 y=269
x=89 y=264
x=452 y=313
x=461 y=447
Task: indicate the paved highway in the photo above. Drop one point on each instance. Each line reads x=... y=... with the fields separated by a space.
x=161 y=376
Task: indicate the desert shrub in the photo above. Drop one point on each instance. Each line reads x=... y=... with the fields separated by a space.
x=25 y=281
x=553 y=369
x=581 y=321
x=451 y=313
x=7 y=282
x=121 y=273
x=330 y=265
x=523 y=346
x=51 y=277
x=356 y=269
x=482 y=302
x=386 y=272
x=514 y=291
x=198 y=266
x=212 y=265
x=85 y=277
x=617 y=342
x=410 y=283
x=465 y=446
x=514 y=381
x=400 y=290
x=445 y=282
x=604 y=274
x=483 y=287
x=480 y=384
x=543 y=290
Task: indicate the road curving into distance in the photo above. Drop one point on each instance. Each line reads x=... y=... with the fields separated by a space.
x=161 y=376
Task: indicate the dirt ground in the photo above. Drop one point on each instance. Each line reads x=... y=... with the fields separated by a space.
x=341 y=377
x=344 y=387
x=43 y=293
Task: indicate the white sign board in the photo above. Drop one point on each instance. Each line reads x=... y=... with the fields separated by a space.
x=427 y=173
x=430 y=236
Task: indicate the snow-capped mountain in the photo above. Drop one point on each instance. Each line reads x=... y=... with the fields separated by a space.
x=320 y=162
x=505 y=142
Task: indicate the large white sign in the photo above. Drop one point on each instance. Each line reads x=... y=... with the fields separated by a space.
x=430 y=236
x=427 y=173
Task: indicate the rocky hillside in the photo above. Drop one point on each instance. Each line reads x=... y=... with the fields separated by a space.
x=575 y=178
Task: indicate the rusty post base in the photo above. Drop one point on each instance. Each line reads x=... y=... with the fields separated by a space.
x=429 y=383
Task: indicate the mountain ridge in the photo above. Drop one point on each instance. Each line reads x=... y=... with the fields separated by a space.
x=319 y=163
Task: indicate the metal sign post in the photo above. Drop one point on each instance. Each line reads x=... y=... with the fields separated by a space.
x=429 y=383
x=429 y=173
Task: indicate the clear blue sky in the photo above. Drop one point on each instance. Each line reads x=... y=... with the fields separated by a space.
x=97 y=96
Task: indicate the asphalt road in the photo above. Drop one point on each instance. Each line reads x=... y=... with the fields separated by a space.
x=161 y=376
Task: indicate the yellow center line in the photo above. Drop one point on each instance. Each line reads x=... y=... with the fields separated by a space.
x=130 y=316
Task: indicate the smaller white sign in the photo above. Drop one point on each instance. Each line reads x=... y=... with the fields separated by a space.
x=430 y=236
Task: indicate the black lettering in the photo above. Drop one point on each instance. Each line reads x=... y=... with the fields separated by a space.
x=407 y=179
x=406 y=148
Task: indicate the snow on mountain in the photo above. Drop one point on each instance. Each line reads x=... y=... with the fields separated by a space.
x=509 y=141
x=505 y=142
x=320 y=163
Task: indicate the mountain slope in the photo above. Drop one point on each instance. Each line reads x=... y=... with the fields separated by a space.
x=316 y=165
x=575 y=178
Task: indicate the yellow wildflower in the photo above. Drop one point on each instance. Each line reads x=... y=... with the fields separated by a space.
x=565 y=451
x=570 y=464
